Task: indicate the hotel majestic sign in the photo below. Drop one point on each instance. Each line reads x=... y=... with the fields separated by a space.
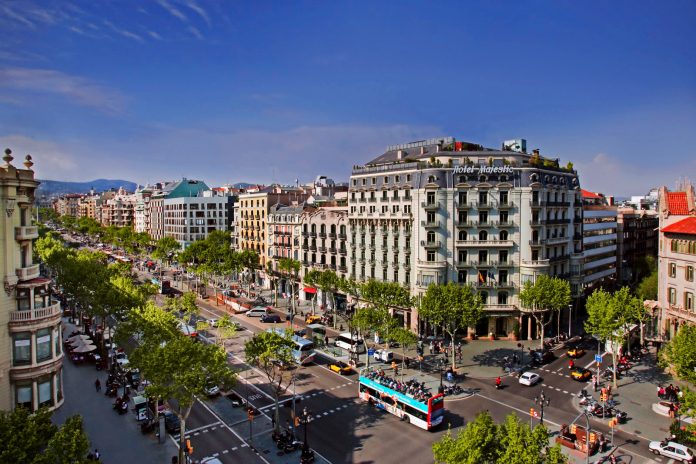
x=482 y=169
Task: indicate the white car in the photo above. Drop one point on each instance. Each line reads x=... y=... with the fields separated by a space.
x=122 y=359
x=672 y=450
x=211 y=461
x=529 y=378
x=213 y=321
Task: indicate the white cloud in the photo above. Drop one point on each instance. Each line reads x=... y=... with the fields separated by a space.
x=198 y=9
x=124 y=32
x=18 y=17
x=79 y=89
x=174 y=11
x=154 y=35
x=195 y=32
x=51 y=161
x=611 y=176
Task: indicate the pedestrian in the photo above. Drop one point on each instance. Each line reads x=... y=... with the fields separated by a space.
x=326 y=340
x=97 y=385
x=571 y=364
x=97 y=455
x=431 y=347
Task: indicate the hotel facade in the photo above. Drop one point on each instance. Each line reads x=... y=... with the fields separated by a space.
x=441 y=210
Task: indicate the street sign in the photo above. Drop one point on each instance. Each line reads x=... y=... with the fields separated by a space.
x=371 y=352
x=598 y=359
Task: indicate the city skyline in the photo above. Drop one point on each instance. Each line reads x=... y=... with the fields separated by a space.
x=273 y=93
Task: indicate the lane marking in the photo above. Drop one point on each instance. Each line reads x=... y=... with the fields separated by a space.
x=525 y=413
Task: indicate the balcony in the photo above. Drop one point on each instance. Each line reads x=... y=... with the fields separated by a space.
x=28 y=273
x=306 y=263
x=535 y=262
x=430 y=206
x=322 y=234
x=312 y=248
x=394 y=199
x=26 y=233
x=556 y=259
x=462 y=264
x=342 y=251
x=342 y=236
x=535 y=222
x=434 y=244
x=332 y=250
x=322 y=249
x=372 y=200
x=489 y=203
x=407 y=232
x=556 y=221
x=463 y=205
x=506 y=263
x=506 y=284
x=556 y=240
x=305 y=246
x=431 y=224
x=484 y=243
x=465 y=224
x=432 y=264
x=506 y=204
x=536 y=203
x=536 y=243
x=35 y=315
x=342 y=268
x=558 y=203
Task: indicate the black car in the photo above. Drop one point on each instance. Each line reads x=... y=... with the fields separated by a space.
x=542 y=357
x=171 y=422
x=271 y=318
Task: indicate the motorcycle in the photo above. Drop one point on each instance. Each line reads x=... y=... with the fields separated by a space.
x=621 y=416
x=111 y=391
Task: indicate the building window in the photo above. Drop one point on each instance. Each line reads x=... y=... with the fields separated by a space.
x=461 y=236
x=672 y=269
x=431 y=237
x=672 y=295
x=430 y=256
x=690 y=273
x=461 y=277
x=462 y=198
x=45 y=391
x=23 y=395
x=22 y=349
x=503 y=235
x=503 y=256
x=484 y=297
x=430 y=198
x=483 y=235
x=688 y=301
x=461 y=256
x=502 y=298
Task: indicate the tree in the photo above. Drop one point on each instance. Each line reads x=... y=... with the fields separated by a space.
x=382 y=298
x=679 y=356
x=226 y=328
x=178 y=367
x=485 y=442
x=609 y=317
x=271 y=352
x=185 y=306
x=647 y=288
x=311 y=278
x=546 y=295
x=291 y=269
x=453 y=307
x=405 y=338
x=31 y=438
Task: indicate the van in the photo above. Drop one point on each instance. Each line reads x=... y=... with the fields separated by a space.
x=257 y=311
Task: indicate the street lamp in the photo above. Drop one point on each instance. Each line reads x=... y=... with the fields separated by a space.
x=542 y=401
x=307 y=453
x=570 y=316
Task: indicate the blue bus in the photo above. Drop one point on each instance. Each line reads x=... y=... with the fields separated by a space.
x=421 y=409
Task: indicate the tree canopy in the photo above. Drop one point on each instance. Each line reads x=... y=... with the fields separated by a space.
x=483 y=441
x=544 y=295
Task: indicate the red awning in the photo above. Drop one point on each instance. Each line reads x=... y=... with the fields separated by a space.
x=310 y=290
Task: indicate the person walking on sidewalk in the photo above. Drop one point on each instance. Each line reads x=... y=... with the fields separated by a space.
x=97 y=385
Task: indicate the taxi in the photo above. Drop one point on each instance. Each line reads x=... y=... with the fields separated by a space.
x=575 y=352
x=580 y=373
x=340 y=368
x=312 y=319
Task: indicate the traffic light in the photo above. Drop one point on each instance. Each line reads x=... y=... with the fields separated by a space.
x=613 y=421
x=603 y=396
x=189 y=448
x=532 y=412
x=297 y=421
x=250 y=414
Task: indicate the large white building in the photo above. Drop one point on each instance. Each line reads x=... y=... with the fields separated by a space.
x=31 y=348
x=440 y=210
x=599 y=241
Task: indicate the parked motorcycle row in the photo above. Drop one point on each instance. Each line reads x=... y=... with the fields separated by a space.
x=601 y=409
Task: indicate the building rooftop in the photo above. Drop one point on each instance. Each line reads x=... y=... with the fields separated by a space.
x=685 y=226
x=590 y=195
x=677 y=203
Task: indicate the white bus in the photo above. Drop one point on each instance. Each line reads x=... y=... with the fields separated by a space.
x=354 y=344
x=303 y=352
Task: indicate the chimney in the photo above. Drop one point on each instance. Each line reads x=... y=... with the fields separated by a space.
x=422 y=150
x=399 y=154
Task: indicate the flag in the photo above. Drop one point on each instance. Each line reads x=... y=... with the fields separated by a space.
x=490 y=276
x=482 y=279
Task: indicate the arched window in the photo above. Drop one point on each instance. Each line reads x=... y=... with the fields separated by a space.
x=483 y=235
x=314 y=228
x=534 y=177
x=343 y=229
x=504 y=235
x=462 y=179
x=431 y=179
x=462 y=235
x=333 y=228
x=483 y=178
x=503 y=178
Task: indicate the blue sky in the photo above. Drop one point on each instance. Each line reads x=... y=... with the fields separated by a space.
x=231 y=91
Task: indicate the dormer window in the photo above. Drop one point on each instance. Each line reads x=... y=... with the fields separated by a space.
x=482 y=179
x=462 y=179
x=431 y=179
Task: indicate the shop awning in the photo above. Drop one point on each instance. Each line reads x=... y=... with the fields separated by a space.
x=310 y=290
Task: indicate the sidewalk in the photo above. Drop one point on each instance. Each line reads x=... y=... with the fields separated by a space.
x=117 y=437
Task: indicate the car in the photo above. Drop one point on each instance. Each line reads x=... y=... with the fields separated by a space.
x=171 y=422
x=213 y=321
x=212 y=390
x=340 y=368
x=274 y=318
x=672 y=450
x=529 y=378
x=211 y=461
x=122 y=359
x=580 y=373
x=257 y=311
x=312 y=319
x=575 y=352
x=383 y=356
x=542 y=357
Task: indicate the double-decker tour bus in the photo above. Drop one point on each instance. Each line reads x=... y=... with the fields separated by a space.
x=407 y=400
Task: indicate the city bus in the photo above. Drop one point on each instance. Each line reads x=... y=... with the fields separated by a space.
x=426 y=413
x=303 y=352
x=353 y=344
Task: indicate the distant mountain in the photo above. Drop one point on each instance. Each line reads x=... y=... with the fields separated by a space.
x=55 y=187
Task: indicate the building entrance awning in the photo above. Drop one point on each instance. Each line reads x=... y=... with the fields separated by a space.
x=310 y=290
